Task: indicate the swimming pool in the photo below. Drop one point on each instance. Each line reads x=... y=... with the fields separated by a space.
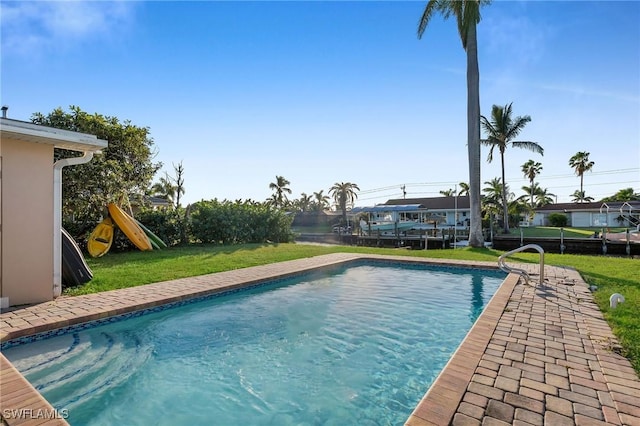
x=358 y=345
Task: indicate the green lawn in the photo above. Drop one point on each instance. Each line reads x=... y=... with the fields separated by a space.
x=610 y=274
x=549 y=231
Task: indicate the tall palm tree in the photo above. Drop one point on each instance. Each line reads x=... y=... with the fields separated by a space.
x=467 y=15
x=531 y=169
x=580 y=162
x=501 y=131
x=320 y=200
x=344 y=193
x=280 y=188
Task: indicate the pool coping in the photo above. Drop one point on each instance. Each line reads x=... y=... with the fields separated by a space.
x=469 y=390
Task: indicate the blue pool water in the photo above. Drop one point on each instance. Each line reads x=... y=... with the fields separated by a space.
x=359 y=345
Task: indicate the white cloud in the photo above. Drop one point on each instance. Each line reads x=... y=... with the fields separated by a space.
x=30 y=27
x=518 y=38
x=580 y=91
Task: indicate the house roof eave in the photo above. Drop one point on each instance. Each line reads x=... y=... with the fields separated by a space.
x=64 y=139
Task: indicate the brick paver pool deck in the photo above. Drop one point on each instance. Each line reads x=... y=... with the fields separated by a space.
x=540 y=354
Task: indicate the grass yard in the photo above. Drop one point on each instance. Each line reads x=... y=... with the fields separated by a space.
x=610 y=274
x=552 y=232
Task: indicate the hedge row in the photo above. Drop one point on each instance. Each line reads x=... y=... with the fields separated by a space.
x=219 y=222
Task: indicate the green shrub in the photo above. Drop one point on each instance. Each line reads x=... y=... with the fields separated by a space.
x=558 y=220
x=238 y=222
x=168 y=224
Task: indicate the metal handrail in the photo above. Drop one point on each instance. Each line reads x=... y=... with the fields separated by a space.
x=503 y=266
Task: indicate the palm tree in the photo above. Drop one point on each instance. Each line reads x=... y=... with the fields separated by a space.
x=467 y=14
x=580 y=162
x=304 y=203
x=581 y=197
x=493 y=194
x=320 y=200
x=344 y=193
x=531 y=169
x=544 y=197
x=501 y=131
x=541 y=196
x=448 y=192
x=464 y=189
x=164 y=188
x=626 y=194
x=280 y=188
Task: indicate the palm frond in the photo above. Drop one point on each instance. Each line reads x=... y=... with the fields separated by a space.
x=531 y=146
x=429 y=10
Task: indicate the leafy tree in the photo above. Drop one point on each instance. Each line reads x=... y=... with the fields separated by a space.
x=580 y=162
x=448 y=192
x=280 y=189
x=467 y=15
x=531 y=169
x=501 y=132
x=581 y=197
x=123 y=169
x=320 y=201
x=344 y=193
x=626 y=194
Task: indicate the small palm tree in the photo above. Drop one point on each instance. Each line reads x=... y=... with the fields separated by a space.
x=492 y=195
x=448 y=192
x=531 y=169
x=164 y=188
x=467 y=16
x=626 y=194
x=464 y=189
x=581 y=197
x=320 y=200
x=280 y=188
x=580 y=162
x=344 y=193
x=541 y=196
x=304 y=203
x=501 y=132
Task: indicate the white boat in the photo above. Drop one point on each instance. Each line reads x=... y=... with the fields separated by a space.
x=387 y=226
x=387 y=219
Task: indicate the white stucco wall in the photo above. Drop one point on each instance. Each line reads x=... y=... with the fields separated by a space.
x=27 y=224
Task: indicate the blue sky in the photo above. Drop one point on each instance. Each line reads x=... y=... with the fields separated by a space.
x=325 y=92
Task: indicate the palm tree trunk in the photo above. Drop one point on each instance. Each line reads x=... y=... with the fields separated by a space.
x=505 y=207
x=532 y=194
x=476 y=238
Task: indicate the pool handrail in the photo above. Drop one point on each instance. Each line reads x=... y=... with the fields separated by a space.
x=504 y=267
